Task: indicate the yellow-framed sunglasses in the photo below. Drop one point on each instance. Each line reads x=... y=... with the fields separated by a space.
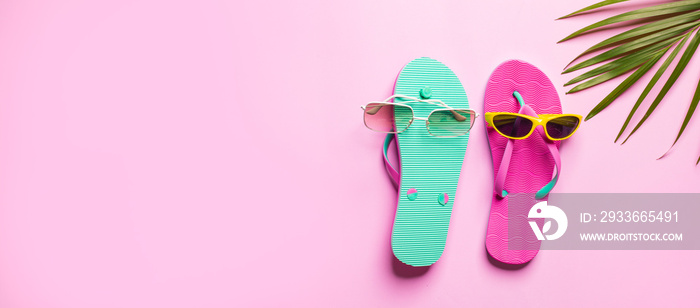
x=519 y=126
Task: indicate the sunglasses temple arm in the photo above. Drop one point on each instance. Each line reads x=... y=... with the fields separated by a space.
x=436 y=102
x=372 y=111
x=398 y=96
x=457 y=116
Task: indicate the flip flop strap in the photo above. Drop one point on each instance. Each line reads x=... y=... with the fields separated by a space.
x=393 y=174
x=503 y=170
x=508 y=153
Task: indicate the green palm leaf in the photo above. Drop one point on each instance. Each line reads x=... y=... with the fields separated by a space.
x=653 y=30
x=649 y=28
x=631 y=61
x=624 y=85
x=593 y=7
x=688 y=115
x=662 y=37
x=617 y=68
x=653 y=11
x=651 y=84
x=685 y=58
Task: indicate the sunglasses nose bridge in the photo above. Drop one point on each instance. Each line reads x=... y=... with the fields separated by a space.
x=537 y=122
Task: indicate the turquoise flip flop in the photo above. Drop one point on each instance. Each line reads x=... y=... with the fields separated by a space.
x=430 y=165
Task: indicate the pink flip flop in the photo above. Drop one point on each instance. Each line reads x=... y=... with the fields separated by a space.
x=521 y=167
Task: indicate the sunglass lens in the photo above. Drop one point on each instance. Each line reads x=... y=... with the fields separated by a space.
x=562 y=127
x=513 y=126
x=449 y=122
x=387 y=118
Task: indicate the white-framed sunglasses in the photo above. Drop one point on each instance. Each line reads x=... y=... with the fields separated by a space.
x=393 y=118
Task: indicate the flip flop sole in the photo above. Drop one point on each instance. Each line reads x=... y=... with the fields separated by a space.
x=430 y=166
x=531 y=165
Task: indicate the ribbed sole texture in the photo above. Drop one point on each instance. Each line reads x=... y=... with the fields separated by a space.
x=429 y=164
x=531 y=165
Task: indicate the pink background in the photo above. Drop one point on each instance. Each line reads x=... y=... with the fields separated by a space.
x=211 y=154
